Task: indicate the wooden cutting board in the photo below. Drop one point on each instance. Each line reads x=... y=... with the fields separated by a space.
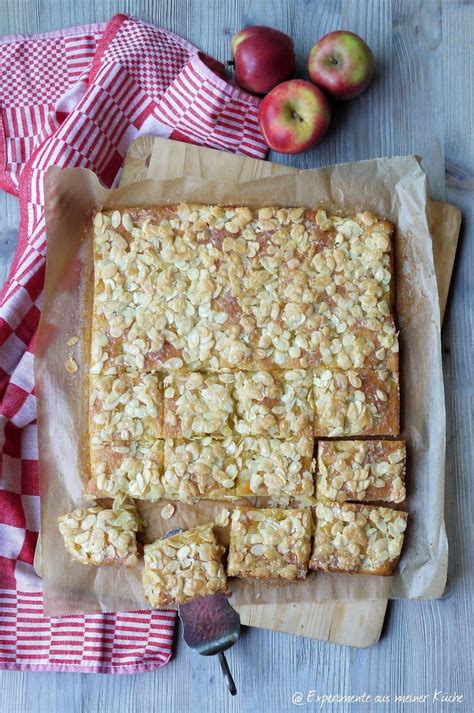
x=349 y=623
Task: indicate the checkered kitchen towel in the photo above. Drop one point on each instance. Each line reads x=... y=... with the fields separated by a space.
x=78 y=98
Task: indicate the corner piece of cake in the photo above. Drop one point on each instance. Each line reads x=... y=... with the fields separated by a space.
x=101 y=536
x=357 y=538
x=364 y=471
x=183 y=567
x=269 y=543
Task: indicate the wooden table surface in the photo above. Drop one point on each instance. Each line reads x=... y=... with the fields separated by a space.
x=422 y=102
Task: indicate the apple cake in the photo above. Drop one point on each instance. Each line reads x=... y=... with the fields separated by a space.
x=281 y=470
x=183 y=566
x=364 y=471
x=224 y=340
x=269 y=543
x=357 y=538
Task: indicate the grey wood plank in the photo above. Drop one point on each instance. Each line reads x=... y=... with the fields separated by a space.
x=417 y=62
x=422 y=100
x=459 y=147
x=458 y=340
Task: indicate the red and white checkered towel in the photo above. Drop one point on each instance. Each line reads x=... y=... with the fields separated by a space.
x=77 y=98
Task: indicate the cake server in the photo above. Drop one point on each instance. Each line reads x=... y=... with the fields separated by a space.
x=210 y=627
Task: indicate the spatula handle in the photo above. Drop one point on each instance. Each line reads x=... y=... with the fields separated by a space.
x=227 y=674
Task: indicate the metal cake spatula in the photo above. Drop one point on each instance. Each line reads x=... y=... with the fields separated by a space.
x=210 y=627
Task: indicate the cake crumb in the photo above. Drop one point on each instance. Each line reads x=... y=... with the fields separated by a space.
x=167 y=511
x=70 y=365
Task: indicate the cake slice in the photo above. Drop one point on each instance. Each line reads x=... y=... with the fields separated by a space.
x=183 y=567
x=239 y=467
x=356 y=403
x=364 y=471
x=346 y=342
x=125 y=407
x=357 y=538
x=100 y=536
x=200 y=468
x=280 y=469
x=142 y=290
x=133 y=469
x=269 y=543
x=276 y=404
x=198 y=404
x=354 y=263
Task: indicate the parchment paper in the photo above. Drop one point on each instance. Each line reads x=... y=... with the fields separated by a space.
x=394 y=188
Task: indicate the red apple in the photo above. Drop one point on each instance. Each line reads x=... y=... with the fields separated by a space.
x=342 y=64
x=294 y=116
x=263 y=58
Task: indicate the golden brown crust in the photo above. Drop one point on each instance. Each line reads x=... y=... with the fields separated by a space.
x=363 y=471
x=353 y=343
x=357 y=538
x=386 y=570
